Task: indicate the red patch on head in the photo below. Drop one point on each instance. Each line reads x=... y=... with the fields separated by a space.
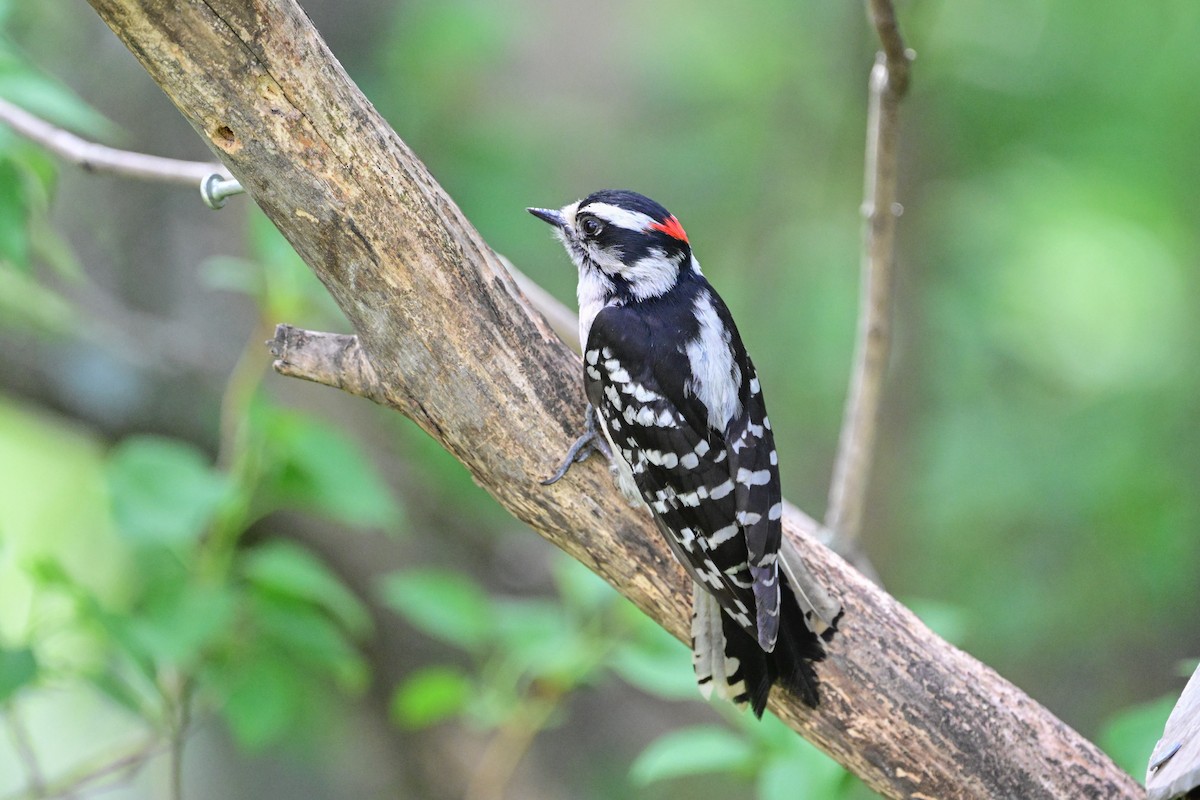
x=671 y=227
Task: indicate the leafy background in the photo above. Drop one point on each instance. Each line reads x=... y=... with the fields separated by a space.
x=326 y=603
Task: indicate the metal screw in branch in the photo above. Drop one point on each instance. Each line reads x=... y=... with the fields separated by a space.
x=216 y=187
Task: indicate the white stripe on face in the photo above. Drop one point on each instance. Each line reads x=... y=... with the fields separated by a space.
x=621 y=217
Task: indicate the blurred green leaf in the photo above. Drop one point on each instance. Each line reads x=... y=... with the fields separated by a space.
x=664 y=672
x=287 y=568
x=692 y=751
x=798 y=778
x=315 y=466
x=652 y=659
x=945 y=619
x=109 y=684
x=163 y=491
x=443 y=604
x=536 y=638
x=45 y=97
x=181 y=620
x=792 y=766
x=310 y=638
x=26 y=303
x=18 y=668
x=289 y=289
x=1129 y=737
x=431 y=695
x=40 y=170
x=262 y=696
x=14 y=213
x=50 y=247
x=581 y=588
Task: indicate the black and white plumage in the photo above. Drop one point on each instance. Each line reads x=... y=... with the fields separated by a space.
x=680 y=407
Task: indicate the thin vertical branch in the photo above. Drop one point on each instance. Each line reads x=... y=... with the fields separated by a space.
x=23 y=744
x=856 y=446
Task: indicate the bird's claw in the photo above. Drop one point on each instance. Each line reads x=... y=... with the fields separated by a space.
x=592 y=441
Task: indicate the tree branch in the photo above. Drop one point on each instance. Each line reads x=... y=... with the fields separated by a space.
x=1174 y=769
x=94 y=157
x=856 y=445
x=451 y=342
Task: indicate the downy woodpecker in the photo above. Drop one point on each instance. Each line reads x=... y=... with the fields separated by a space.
x=678 y=401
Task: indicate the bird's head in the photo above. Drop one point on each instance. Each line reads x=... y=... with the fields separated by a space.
x=624 y=238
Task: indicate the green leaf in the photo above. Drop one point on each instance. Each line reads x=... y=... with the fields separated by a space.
x=290 y=570
x=179 y=621
x=289 y=289
x=794 y=767
x=1130 y=736
x=431 y=695
x=317 y=467
x=18 y=668
x=26 y=303
x=109 y=684
x=580 y=587
x=45 y=97
x=692 y=751
x=653 y=660
x=536 y=638
x=948 y=621
x=443 y=604
x=162 y=490
x=14 y=213
x=665 y=673
x=790 y=779
x=262 y=694
x=311 y=639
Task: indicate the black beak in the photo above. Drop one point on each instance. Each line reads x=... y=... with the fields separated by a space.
x=548 y=215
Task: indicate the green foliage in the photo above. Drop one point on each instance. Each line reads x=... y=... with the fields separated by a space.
x=313 y=466
x=445 y=605
x=32 y=89
x=14 y=238
x=1129 y=737
x=163 y=491
x=527 y=657
x=129 y=565
x=692 y=751
x=286 y=570
x=278 y=280
x=781 y=764
x=18 y=668
x=431 y=695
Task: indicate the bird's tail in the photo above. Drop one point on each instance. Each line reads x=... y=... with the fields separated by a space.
x=730 y=663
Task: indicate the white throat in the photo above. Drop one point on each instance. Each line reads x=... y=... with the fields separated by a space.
x=593 y=293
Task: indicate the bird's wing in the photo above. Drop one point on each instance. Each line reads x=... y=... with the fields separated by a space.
x=683 y=469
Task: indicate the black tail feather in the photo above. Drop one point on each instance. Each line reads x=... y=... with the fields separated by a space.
x=791 y=663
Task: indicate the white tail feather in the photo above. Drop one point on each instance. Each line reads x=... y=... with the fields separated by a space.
x=820 y=610
x=713 y=667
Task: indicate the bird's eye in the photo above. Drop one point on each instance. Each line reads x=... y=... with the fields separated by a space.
x=591 y=226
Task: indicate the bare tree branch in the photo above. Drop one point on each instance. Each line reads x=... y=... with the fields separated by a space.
x=26 y=754
x=856 y=445
x=1174 y=769
x=452 y=343
x=898 y=57
x=94 y=157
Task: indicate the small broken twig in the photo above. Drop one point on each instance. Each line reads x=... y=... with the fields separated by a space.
x=93 y=157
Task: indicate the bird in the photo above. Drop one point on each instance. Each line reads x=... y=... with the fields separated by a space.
x=676 y=406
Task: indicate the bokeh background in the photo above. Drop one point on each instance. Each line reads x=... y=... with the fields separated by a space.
x=348 y=615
